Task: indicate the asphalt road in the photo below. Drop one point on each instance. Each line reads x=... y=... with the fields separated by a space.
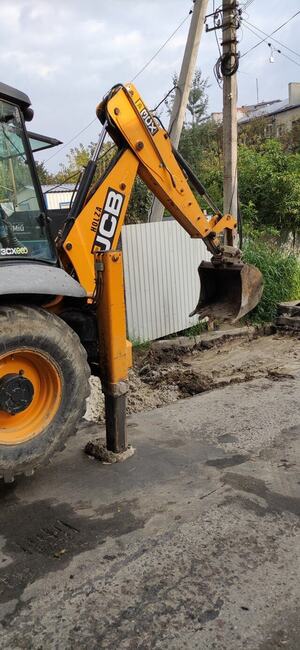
x=194 y=542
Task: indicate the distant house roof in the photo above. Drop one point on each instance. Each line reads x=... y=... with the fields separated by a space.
x=266 y=109
x=66 y=187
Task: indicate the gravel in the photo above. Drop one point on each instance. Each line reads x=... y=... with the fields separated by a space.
x=141 y=397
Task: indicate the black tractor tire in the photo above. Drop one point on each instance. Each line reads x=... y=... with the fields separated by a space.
x=24 y=328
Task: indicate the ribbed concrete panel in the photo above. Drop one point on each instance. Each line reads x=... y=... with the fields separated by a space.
x=161 y=278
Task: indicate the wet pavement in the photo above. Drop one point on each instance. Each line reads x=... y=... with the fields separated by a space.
x=194 y=542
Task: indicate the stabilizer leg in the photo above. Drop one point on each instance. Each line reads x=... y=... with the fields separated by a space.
x=114 y=349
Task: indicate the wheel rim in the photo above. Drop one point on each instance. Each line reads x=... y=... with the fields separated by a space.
x=45 y=378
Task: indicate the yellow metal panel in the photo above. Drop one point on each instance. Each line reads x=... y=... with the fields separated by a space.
x=111 y=318
x=129 y=353
x=79 y=243
x=227 y=221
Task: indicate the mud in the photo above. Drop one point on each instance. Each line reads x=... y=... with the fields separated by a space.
x=162 y=377
x=49 y=538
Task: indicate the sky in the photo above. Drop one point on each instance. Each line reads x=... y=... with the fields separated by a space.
x=66 y=54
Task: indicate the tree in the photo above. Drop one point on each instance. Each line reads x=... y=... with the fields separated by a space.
x=253 y=133
x=77 y=159
x=45 y=177
x=269 y=186
x=79 y=156
x=291 y=138
x=139 y=204
x=198 y=99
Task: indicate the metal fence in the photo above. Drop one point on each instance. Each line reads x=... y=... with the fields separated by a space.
x=161 y=278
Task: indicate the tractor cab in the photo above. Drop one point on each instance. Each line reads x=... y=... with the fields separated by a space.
x=24 y=231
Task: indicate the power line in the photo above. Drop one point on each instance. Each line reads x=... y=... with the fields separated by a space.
x=161 y=47
x=72 y=140
x=215 y=11
x=133 y=79
x=68 y=178
x=247 y=4
x=278 y=51
x=269 y=35
x=288 y=57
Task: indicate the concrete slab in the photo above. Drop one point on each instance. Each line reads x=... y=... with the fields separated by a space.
x=188 y=342
x=191 y=543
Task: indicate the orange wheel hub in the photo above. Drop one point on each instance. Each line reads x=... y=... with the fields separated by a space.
x=43 y=375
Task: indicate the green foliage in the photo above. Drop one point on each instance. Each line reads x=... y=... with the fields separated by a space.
x=194 y=330
x=45 y=177
x=198 y=99
x=253 y=133
x=201 y=146
x=281 y=272
x=291 y=138
x=77 y=159
x=139 y=204
x=269 y=186
x=140 y=346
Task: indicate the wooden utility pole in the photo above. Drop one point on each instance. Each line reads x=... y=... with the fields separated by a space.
x=229 y=65
x=184 y=86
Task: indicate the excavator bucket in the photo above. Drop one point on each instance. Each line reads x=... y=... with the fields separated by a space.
x=228 y=292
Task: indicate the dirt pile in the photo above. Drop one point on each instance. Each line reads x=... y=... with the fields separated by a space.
x=161 y=377
x=141 y=397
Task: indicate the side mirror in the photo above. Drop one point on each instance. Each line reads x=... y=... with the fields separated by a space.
x=28 y=114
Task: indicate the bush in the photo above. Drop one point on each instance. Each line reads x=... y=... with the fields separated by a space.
x=281 y=272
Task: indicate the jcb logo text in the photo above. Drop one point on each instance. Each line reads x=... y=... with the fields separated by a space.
x=109 y=220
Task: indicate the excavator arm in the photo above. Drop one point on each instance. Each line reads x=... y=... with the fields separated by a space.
x=89 y=241
x=229 y=289
x=144 y=149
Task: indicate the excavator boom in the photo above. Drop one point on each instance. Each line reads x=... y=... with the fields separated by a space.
x=145 y=149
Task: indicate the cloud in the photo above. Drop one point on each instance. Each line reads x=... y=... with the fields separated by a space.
x=67 y=53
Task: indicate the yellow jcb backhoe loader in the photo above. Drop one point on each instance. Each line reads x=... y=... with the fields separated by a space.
x=62 y=310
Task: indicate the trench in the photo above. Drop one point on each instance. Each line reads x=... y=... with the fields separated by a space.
x=161 y=376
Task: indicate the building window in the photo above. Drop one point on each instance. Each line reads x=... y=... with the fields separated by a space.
x=64 y=204
x=269 y=130
x=280 y=130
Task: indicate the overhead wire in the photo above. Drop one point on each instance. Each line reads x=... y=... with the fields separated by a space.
x=246 y=4
x=66 y=144
x=78 y=172
x=162 y=46
x=215 y=31
x=269 y=35
x=71 y=140
x=228 y=62
x=94 y=120
x=278 y=51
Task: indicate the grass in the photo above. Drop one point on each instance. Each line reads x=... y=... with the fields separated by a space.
x=137 y=344
x=281 y=273
x=194 y=330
